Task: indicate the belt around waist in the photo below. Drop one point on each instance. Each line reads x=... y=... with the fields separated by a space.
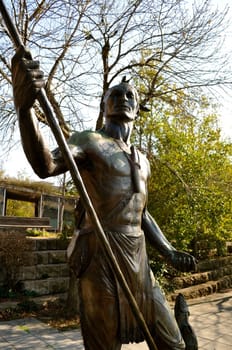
x=114 y=228
x=122 y=228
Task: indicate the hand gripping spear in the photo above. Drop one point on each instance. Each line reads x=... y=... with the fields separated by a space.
x=45 y=104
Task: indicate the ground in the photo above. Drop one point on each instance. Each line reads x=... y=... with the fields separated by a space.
x=53 y=313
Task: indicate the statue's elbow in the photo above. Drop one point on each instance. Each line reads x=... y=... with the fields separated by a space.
x=42 y=175
x=42 y=172
x=49 y=170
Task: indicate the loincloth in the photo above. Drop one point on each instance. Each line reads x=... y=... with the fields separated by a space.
x=130 y=252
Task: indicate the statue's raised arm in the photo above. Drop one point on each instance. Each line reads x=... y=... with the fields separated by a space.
x=27 y=81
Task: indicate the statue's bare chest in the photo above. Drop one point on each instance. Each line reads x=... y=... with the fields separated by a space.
x=117 y=159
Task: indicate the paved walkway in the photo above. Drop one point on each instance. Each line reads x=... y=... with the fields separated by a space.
x=211 y=318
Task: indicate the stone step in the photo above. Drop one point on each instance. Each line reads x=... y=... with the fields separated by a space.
x=47 y=286
x=45 y=257
x=213 y=264
x=36 y=272
x=39 y=300
x=203 y=289
x=40 y=243
x=202 y=277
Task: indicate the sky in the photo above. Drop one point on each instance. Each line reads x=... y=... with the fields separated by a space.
x=16 y=163
x=226 y=100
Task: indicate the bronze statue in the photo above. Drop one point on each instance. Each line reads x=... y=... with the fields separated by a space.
x=115 y=174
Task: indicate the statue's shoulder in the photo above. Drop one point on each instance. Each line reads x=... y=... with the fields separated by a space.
x=84 y=137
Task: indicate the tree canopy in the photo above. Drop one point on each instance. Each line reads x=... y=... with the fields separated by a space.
x=191 y=172
x=86 y=46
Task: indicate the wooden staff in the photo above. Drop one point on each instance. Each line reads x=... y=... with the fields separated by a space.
x=52 y=121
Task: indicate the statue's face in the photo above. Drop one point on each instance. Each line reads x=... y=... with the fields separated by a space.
x=121 y=103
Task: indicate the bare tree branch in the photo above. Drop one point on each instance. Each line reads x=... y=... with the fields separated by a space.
x=85 y=46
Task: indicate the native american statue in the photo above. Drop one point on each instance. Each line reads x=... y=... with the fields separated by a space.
x=115 y=175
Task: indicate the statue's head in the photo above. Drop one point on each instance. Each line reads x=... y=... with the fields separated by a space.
x=121 y=102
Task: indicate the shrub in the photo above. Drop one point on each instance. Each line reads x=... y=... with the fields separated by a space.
x=12 y=251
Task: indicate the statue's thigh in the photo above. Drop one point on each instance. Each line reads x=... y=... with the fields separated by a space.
x=99 y=317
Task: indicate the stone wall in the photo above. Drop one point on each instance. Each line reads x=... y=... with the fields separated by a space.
x=43 y=268
x=46 y=270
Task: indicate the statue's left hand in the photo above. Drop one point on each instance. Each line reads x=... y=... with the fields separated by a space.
x=182 y=261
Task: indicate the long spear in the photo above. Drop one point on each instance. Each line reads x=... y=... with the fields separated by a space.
x=45 y=104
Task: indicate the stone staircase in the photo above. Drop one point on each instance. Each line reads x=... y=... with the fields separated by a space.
x=45 y=270
x=212 y=276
